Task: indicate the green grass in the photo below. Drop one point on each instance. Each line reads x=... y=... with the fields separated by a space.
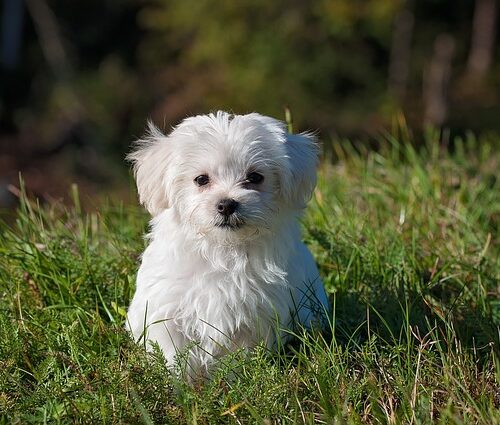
x=407 y=244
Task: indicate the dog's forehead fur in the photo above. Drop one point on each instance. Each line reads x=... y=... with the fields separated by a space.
x=221 y=142
x=231 y=127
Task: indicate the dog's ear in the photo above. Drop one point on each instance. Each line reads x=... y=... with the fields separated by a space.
x=299 y=182
x=298 y=165
x=152 y=162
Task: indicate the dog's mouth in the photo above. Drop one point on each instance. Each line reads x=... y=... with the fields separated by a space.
x=229 y=226
x=230 y=223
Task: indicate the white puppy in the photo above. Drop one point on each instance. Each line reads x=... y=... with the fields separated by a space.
x=225 y=267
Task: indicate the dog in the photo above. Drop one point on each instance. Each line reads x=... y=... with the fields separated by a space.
x=225 y=268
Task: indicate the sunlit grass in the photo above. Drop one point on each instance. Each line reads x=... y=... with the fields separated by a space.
x=407 y=244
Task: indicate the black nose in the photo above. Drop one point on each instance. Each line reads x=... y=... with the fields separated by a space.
x=227 y=207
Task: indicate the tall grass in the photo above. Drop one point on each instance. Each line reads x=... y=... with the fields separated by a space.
x=407 y=244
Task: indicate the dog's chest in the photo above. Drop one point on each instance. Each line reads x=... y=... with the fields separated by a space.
x=214 y=299
x=222 y=305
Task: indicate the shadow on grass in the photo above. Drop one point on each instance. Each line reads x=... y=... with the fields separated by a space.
x=396 y=290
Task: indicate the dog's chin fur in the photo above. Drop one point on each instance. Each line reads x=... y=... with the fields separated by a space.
x=210 y=283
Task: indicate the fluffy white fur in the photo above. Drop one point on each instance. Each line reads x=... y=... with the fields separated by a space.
x=207 y=288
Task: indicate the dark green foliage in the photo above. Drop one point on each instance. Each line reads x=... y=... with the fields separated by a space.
x=329 y=60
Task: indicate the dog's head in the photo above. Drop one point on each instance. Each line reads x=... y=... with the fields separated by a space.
x=226 y=175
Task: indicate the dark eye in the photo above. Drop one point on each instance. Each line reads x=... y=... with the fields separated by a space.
x=202 y=180
x=255 y=178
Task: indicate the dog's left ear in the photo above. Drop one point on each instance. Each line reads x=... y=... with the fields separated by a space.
x=298 y=165
x=153 y=163
x=298 y=184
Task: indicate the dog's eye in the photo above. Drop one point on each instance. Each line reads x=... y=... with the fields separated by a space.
x=202 y=180
x=255 y=178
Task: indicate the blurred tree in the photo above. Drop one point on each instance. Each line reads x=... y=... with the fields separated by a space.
x=399 y=63
x=254 y=54
x=483 y=38
x=12 y=26
x=437 y=81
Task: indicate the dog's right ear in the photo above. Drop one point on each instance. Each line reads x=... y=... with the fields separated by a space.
x=152 y=160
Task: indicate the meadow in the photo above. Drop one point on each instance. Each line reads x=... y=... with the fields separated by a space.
x=407 y=243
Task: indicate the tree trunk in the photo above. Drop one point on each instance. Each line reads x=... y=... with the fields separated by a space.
x=437 y=80
x=483 y=39
x=399 y=64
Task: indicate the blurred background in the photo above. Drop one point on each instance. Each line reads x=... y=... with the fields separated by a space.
x=79 y=79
